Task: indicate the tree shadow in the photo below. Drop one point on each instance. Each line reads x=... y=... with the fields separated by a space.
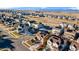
x=6 y=43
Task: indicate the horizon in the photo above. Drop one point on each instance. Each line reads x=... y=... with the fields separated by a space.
x=58 y=9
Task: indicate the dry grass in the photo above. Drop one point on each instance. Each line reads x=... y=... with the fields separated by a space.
x=52 y=21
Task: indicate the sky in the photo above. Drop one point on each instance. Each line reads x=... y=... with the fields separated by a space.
x=39 y=3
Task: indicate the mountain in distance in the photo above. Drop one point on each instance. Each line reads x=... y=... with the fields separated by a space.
x=57 y=9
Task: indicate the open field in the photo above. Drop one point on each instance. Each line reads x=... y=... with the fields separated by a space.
x=52 y=21
x=63 y=13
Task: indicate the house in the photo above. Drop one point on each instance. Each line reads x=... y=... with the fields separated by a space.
x=23 y=29
x=35 y=26
x=55 y=31
x=29 y=23
x=63 y=25
x=70 y=28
